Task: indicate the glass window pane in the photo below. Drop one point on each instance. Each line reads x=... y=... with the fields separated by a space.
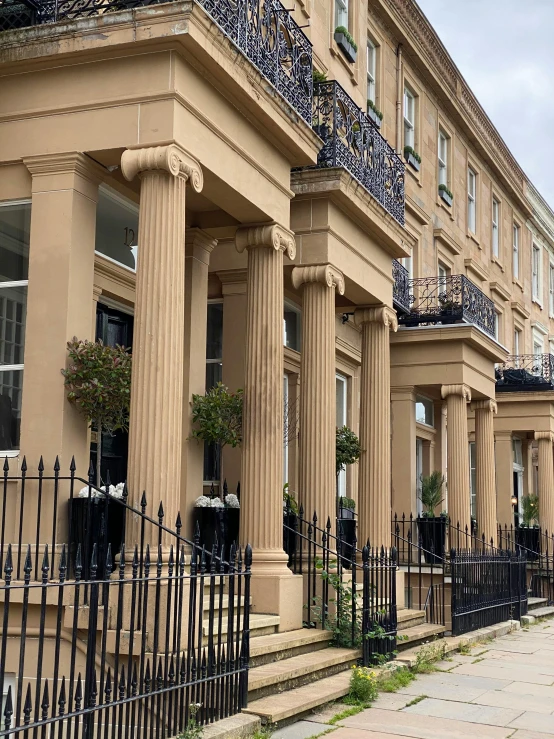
x=340 y=383
x=214 y=340
x=292 y=324
x=15 y=227
x=13 y=305
x=213 y=374
x=424 y=410
x=11 y=382
x=117 y=228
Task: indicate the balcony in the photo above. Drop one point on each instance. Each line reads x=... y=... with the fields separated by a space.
x=263 y=30
x=446 y=300
x=351 y=140
x=401 y=287
x=525 y=373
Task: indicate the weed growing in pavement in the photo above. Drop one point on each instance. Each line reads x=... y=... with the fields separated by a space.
x=416 y=701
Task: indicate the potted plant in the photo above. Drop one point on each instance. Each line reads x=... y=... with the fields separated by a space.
x=217 y=419
x=445 y=194
x=217 y=520
x=374 y=114
x=412 y=157
x=346 y=43
x=527 y=533
x=290 y=520
x=348 y=451
x=432 y=528
x=450 y=309
x=98 y=384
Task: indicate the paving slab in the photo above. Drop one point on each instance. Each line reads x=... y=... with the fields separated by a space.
x=300 y=730
x=393 y=701
x=457 y=680
x=474 y=713
x=487 y=669
x=531 y=702
x=535 y=722
x=529 y=689
x=524 y=734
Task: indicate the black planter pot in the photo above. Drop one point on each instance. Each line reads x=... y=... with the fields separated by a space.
x=347 y=513
x=218 y=527
x=528 y=538
x=373 y=117
x=412 y=161
x=432 y=532
x=290 y=527
x=346 y=47
x=102 y=524
x=451 y=315
x=348 y=538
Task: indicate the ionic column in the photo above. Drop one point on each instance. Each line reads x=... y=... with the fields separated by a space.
x=485 y=473
x=317 y=478
x=374 y=496
x=156 y=423
x=504 y=477
x=546 y=480
x=459 y=503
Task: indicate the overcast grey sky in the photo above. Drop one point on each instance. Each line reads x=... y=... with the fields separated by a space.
x=505 y=51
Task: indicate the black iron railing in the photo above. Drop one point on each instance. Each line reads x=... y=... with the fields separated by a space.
x=158 y=642
x=351 y=140
x=538 y=546
x=487 y=587
x=263 y=30
x=348 y=591
x=525 y=372
x=400 y=287
x=448 y=299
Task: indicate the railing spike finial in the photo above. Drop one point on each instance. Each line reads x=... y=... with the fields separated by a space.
x=8 y=710
x=6 y=467
x=24 y=465
x=143 y=502
x=72 y=466
x=161 y=513
x=57 y=466
x=248 y=557
x=41 y=465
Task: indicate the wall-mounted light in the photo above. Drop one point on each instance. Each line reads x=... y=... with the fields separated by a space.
x=514 y=500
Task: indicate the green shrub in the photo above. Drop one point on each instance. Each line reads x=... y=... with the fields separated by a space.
x=375 y=109
x=348 y=448
x=431 y=492
x=443 y=188
x=345 y=32
x=530 y=510
x=410 y=150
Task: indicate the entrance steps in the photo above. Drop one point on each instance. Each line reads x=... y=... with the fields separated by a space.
x=537 y=608
x=294 y=672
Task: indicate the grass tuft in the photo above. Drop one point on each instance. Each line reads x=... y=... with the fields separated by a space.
x=416 y=700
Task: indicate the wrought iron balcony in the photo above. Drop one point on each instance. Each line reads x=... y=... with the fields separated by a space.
x=401 y=287
x=449 y=299
x=525 y=372
x=263 y=30
x=351 y=140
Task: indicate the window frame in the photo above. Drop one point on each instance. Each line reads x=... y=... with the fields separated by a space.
x=551 y=288
x=342 y=11
x=443 y=162
x=516 y=341
x=343 y=379
x=409 y=125
x=495 y=227
x=217 y=360
x=516 y=241
x=371 y=77
x=536 y=276
x=471 y=200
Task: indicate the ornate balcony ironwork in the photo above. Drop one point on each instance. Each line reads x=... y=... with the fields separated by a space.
x=525 y=372
x=401 y=287
x=351 y=140
x=263 y=30
x=449 y=299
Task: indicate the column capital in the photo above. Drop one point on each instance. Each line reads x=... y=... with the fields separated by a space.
x=462 y=390
x=65 y=171
x=542 y=435
x=270 y=235
x=324 y=273
x=172 y=159
x=379 y=314
x=485 y=405
x=199 y=244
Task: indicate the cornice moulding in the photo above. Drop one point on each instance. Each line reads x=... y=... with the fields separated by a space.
x=520 y=309
x=452 y=246
x=472 y=266
x=497 y=288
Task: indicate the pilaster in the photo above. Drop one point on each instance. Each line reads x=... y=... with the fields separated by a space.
x=485 y=473
x=546 y=480
x=403 y=438
x=317 y=483
x=504 y=477
x=374 y=497
x=459 y=506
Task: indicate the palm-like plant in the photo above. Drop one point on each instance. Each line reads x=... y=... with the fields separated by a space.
x=431 y=492
x=530 y=510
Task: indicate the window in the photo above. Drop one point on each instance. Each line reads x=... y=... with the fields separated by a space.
x=292 y=326
x=15 y=225
x=371 y=67
x=117 y=228
x=409 y=118
x=537 y=347
x=551 y=288
x=286 y=421
x=495 y=227
x=408 y=262
x=442 y=272
x=424 y=410
x=515 y=246
x=471 y=205
x=443 y=159
x=214 y=368
x=517 y=342
x=341 y=420
x=536 y=272
x=497 y=319
x=341 y=13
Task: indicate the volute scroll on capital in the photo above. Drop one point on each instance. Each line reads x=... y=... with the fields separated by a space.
x=323 y=273
x=463 y=390
x=271 y=235
x=172 y=159
x=381 y=314
x=487 y=404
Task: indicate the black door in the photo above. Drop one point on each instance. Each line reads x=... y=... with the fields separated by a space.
x=516 y=495
x=113 y=327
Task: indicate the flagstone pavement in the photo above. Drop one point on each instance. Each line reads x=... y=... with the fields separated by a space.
x=501 y=690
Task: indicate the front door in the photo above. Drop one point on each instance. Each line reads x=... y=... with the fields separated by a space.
x=113 y=327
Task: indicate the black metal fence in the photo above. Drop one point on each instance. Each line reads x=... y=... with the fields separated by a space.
x=525 y=372
x=351 y=140
x=400 y=287
x=159 y=641
x=349 y=591
x=538 y=546
x=449 y=299
x=487 y=587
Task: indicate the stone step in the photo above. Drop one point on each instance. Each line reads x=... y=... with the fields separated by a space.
x=408 y=617
x=536 y=602
x=281 y=646
x=296 y=671
x=260 y=624
x=413 y=635
x=544 y=612
x=224 y=603
x=295 y=703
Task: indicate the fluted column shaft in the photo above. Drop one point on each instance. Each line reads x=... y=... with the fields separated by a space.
x=261 y=515
x=546 y=480
x=459 y=503
x=317 y=469
x=485 y=472
x=156 y=421
x=374 y=486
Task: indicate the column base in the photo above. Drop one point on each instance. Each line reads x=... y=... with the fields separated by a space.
x=275 y=589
